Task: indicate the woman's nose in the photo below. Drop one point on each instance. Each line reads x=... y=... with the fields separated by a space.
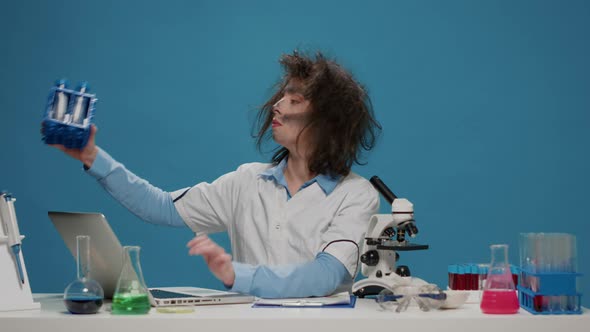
x=277 y=104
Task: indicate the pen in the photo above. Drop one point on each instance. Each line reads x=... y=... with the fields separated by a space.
x=11 y=227
x=301 y=304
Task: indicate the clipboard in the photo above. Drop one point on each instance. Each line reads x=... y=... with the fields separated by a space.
x=305 y=303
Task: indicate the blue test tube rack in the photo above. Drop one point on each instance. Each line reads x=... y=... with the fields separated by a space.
x=68 y=115
x=549 y=293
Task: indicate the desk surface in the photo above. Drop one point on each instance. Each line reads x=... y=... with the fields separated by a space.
x=367 y=316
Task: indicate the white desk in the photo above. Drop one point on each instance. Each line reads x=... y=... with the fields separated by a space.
x=367 y=316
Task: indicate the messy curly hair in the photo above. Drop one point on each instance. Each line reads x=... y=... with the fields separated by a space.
x=341 y=121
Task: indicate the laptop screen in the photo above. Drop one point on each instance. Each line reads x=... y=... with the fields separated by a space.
x=106 y=260
x=106 y=252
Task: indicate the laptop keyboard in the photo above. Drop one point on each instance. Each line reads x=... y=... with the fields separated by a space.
x=162 y=294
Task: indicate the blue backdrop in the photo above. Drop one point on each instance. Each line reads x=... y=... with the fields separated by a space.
x=484 y=107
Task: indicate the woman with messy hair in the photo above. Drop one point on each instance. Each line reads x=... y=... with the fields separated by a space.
x=294 y=224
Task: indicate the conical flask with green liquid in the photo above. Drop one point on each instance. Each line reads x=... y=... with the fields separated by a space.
x=131 y=296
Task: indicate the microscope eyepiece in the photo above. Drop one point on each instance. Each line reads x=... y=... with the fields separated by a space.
x=382 y=189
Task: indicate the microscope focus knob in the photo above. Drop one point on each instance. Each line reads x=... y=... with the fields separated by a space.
x=371 y=258
x=403 y=271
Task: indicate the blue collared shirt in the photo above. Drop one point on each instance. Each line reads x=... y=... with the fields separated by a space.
x=277 y=173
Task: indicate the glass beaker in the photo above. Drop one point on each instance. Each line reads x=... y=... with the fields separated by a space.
x=499 y=293
x=83 y=295
x=131 y=295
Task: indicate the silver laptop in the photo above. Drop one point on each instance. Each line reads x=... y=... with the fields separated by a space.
x=106 y=260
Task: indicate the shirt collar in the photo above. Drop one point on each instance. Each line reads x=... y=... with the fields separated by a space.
x=326 y=182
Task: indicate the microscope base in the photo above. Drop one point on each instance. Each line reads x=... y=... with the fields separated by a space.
x=373 y=286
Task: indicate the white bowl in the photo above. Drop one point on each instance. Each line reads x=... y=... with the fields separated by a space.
x=455 y=299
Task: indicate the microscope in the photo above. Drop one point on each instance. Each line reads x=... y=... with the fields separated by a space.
x=386 y=235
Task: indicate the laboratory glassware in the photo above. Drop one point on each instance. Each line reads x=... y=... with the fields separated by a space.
x=131 y=295
x=548 y=265
x=499 y=294
x=80 y=104
x=61 y=101
x=83 y=295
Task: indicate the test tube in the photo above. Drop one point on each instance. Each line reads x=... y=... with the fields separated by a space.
x=514 y=271
x=476 y=277
x=452 y=271
x=81 y=104
x=483 y=275
x=463 y=274
x=60 y=101
x=525 y=260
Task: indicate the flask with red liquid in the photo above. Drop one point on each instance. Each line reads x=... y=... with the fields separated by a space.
x=499 y=293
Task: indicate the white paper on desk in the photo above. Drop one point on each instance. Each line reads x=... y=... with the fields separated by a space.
x=339 y=298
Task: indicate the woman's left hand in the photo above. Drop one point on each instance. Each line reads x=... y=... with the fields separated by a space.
x=218 y=261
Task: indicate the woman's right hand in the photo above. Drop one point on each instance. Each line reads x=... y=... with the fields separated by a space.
x=87 y=154
x=218 y=261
